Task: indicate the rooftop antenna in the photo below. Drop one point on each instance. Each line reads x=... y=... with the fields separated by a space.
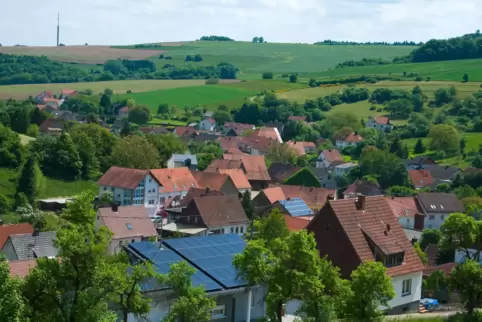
x=58 y=29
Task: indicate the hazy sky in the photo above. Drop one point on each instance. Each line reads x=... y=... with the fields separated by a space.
x=33 y=22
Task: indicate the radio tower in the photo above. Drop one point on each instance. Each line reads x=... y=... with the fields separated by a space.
x=58 y=29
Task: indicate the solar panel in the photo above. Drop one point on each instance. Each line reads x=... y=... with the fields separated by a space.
x=296 y=207
x=212 y=254
x=163 y=258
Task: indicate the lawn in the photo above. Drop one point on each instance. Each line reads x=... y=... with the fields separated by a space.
x=445 y=70
x=24 y=139
x=119 y=87
x=301 y=95
x=156 y=121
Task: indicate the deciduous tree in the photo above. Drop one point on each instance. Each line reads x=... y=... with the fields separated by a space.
x=419 y=147
x=444 y=137
x=166 y=145
x=139 y=114
x=12 y=304
x=135 y=152
x=462 y=232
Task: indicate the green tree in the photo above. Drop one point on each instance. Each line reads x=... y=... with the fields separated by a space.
x=20 y=118
x=67 y=159
x=37 y=116
x=192 y=303
x=166 y=145
x=261 y=39
x=340 y=119
x=420 y=253
x=140 y=114
x=443 y=187
x=386 y=167
x=477 y=162
x=11 y=149
x=444 y=137
x=222 y=117
x=462 y=145
x=281 y=152
x=135 y=152
x=33 y=130
x=27 y=182
x=418 y=103
x=419 y=147
x=248 y=205
x=87 y=153
x=12 y=303
x=398 y=149
x=400 y=109
x=401 y=191
x=5 y=204
x=106 y=104
x=163 y=109
x=466 y=78
x=463 y=233
x=371 y=288
x=430 y=236
x=255 y=39
x=442 y=96
x=267 y=75
x=293 y=78
x=466 y=280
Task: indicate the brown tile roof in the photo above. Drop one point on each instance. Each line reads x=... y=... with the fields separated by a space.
x=366 y=188
x=154 y=129
x=298 y=147
x=268 y=132
x=280 y=172
x=51 y=100
x=353 y=137
x=404 y=206
x=221 y=210
x=7 y=230
x=382 y=120
x=185 y=130
x=128 y=221
x=198 y=192
x=445 y=268
x=126 y=178
x=297 y=118
x=219 y=164
x=420 y=178
x=315 y=198
x=295 y=224
x=21 y=268
x=254 y=165
x=238 y=176
x=174 y=180
x=274 y=194
x=211 y=180
x=239 y=128
x=332 y=155
x=374 y=222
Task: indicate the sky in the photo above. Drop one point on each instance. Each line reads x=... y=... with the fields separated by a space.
x=118 y=22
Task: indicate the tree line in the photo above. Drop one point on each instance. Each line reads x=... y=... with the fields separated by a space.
x=396 y=43
x=215 y=38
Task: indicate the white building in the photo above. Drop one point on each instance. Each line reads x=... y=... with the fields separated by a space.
x=123 y=112
x=343 y=169
x=381 y=123
x=328 y=158
x=207 y=124
x=174 y=185
x=351 y=140
x=437 y=207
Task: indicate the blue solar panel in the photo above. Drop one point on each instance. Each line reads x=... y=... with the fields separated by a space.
x=162 y=258
x=212 y=254
x=296 y=207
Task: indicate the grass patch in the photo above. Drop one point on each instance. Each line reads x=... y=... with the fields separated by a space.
x=301 y=95
x=24 y=139
x=156 y=121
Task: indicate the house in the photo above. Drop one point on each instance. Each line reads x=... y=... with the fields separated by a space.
x=254 y=167
x=123 y=112
x=408 y=212
x=30 y=246
x=220 y=164
x=152 y=130
x=128 y=224
x=420 y=178
x=354 y=231
x=67 y=93
x=351 y=140
x=182 y=131
x=173 y=184
x=441 y=174
x=295 y=223
x=239 y=179
x=279 y=172
x=215 y=181
x=208 y=114
x=297 y=118
x=255 y=145
x=52 y=126
x=219 y=214
x=236 y=300
x=362 y=187
x=237 y=129
x=295 y=207
x=343 y=169
x=40 y=98
x=329 y=158
x=207 y=124
x=325 y=177
x=21 y=268
x=14 y=229
x=130 y=186
x=183 y=160
x=381 y=123
x=198 y=192
x=203 y=137
x=268 y=132
x=49 y=108
x=437 y=207
x=417 y=162
x=302 y=148
x=266 y=198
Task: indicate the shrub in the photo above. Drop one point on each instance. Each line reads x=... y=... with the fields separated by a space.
x=287 y=75
x=198 y=58
x=161 y=56
x=373 y=108
x=212 y=81
x=188 y=58
x=418 y=79
x=379 y=109
x=267 y=75
x=168 y=57
x=293 y=78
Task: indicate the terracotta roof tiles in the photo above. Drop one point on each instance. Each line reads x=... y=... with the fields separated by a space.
x=174 y=180
x=298 y=147
x=420 y=178
x=219 y=164
x=122 y=177
x=332 y=155
x=295 y=224
x=221 y=210
x=238 y=176
x=274 y=194
x=404 y=206
x=254 y=165
x=297 y=118
x=15 y=229
x=198 y=192
x=315 y=198
x=21 y=268
x=354 y=137
x=211 y=180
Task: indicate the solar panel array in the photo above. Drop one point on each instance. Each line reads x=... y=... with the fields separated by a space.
x=212 y=254
x=296 y=207
x=162 y=258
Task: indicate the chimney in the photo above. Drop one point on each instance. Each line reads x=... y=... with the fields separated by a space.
x=361 y=202
x=330 y=197
x=36 y=232
x=115 y=207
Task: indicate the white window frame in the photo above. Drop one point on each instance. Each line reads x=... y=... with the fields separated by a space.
x=222 y=312
x=406 y=287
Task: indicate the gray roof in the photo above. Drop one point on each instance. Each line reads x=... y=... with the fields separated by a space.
x=439 y=172
x=28 y=246
x=346 y=165
x=208 y=114
x=184 y=157
x=440 y=202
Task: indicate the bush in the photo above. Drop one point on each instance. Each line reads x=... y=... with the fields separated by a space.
x=418 y=79
x=287 y=75
x=373 y=108
x=212 y=81
x=33 y=130
x=267 y=75
x=198 y=58
x=293 y=78
x=161 y=56
x=379 y=109
x=5 y=204
x=168 y=57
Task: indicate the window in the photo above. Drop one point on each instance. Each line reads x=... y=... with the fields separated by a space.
x=241 y=230
x=151 y=202
x=105 y=188
x=253 y=301
x=442 y=217
x=408 y=220
x=129 y=226
x=406 y=287
x=237 y=230
x=150 y=180
x=393 y=260
x=133 y=240
x=219 y=312
x=431 y=217
x=232 y=230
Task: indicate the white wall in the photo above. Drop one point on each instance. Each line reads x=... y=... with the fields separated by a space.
x=150 y=184
x=407 y=222
x=243 y=227
x=460 y=256
x=206 y=125
x=436 y=222
x=415 y=294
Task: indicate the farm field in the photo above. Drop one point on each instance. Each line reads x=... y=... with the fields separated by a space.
x=119 y=87
x=444 y=70
x=81 y=54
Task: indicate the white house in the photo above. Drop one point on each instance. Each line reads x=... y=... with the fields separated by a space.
x=130 y=186
x=342 y=169
x=328 y=158
x=123 y=112
x=182 y=161
x=207 y=124
x=381 y=123
x=351 y=140
x=437 y=207
x=174 y=185
x=408 y=212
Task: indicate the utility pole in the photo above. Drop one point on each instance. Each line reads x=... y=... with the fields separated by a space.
x=58 y=29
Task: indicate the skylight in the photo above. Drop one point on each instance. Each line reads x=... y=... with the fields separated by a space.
x=129 y=226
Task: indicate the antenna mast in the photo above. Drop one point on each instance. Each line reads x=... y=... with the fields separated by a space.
x=58 y=29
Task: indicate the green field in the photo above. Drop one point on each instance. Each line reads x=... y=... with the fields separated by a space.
x=444 y=70
x=23 y=91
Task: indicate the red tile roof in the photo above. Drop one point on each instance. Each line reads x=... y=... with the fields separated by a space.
x=254 y=165
x=363 y=187
x=51 y=100
x=211 y=120
x=128 y=222
x=378 y=224
x=297 y=118
x=174 y=180
x=124 y=109
x=126 y=178
x=420 y=178
x=298 y=147
x=198 y=192
x=69 y=92
x=295 y=224
x=404 y=206
x=332 y=155
x=51 y=124
x=219 y=164
x=382 y=120
x=268 y=132
x=353 y=137
x=315 y=198
x=274 y=194
x=432 y=252
x=239 y=128
x=445 y=268
x=185 y=130
x=211 y=180
x=238 y=176
x=221 y=210
x=7 y=230
x=21 y=268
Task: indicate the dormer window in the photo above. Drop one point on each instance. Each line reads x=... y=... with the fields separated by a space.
x=393 y=260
